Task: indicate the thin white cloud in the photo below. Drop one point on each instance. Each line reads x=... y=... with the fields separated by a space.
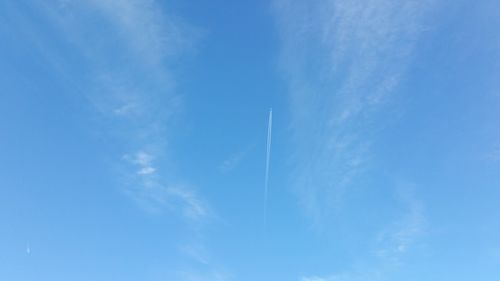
x=123 y=50
x=394 y=243
x=373 y=275
x=146 y=171
x=196 y=252
x=315 y=278
x=193 y=207
x=398 y=238
x=202 y=267
x=233 y=161
x=155 y=197
x=195 y=272
x=343 y=61
x=140 y=158
x=494 y=153
x=148 y=188
x=151 y=35
x=203 y=276
x=126 y=109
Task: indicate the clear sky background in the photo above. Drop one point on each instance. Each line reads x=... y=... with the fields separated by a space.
x=133 y=140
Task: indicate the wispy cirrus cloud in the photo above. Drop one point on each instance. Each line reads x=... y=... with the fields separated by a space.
x=235 y=159
x=149 y=189
x=393 y=244
x=494 y=153
x=151 y=34
x=343 y=61
x=119 y=57
x=398 y=238
x=316 y=278
x=202 y=266
x=232 y=161
x=203 y=276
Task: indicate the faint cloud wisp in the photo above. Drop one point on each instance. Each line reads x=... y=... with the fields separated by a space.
x=343 y=61
x=125 y=50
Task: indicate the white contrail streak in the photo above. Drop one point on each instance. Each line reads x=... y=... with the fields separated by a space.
x=268 y=158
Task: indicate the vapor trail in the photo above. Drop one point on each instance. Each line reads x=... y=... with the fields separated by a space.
x=268 y=158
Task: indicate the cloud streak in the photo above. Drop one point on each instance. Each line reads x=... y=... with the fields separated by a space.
x=124 y=51
x=233 y=161
x=393 y=243
x=343 y=61
x=148 y=189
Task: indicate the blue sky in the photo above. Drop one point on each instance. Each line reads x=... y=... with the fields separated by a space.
x=134 y=134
